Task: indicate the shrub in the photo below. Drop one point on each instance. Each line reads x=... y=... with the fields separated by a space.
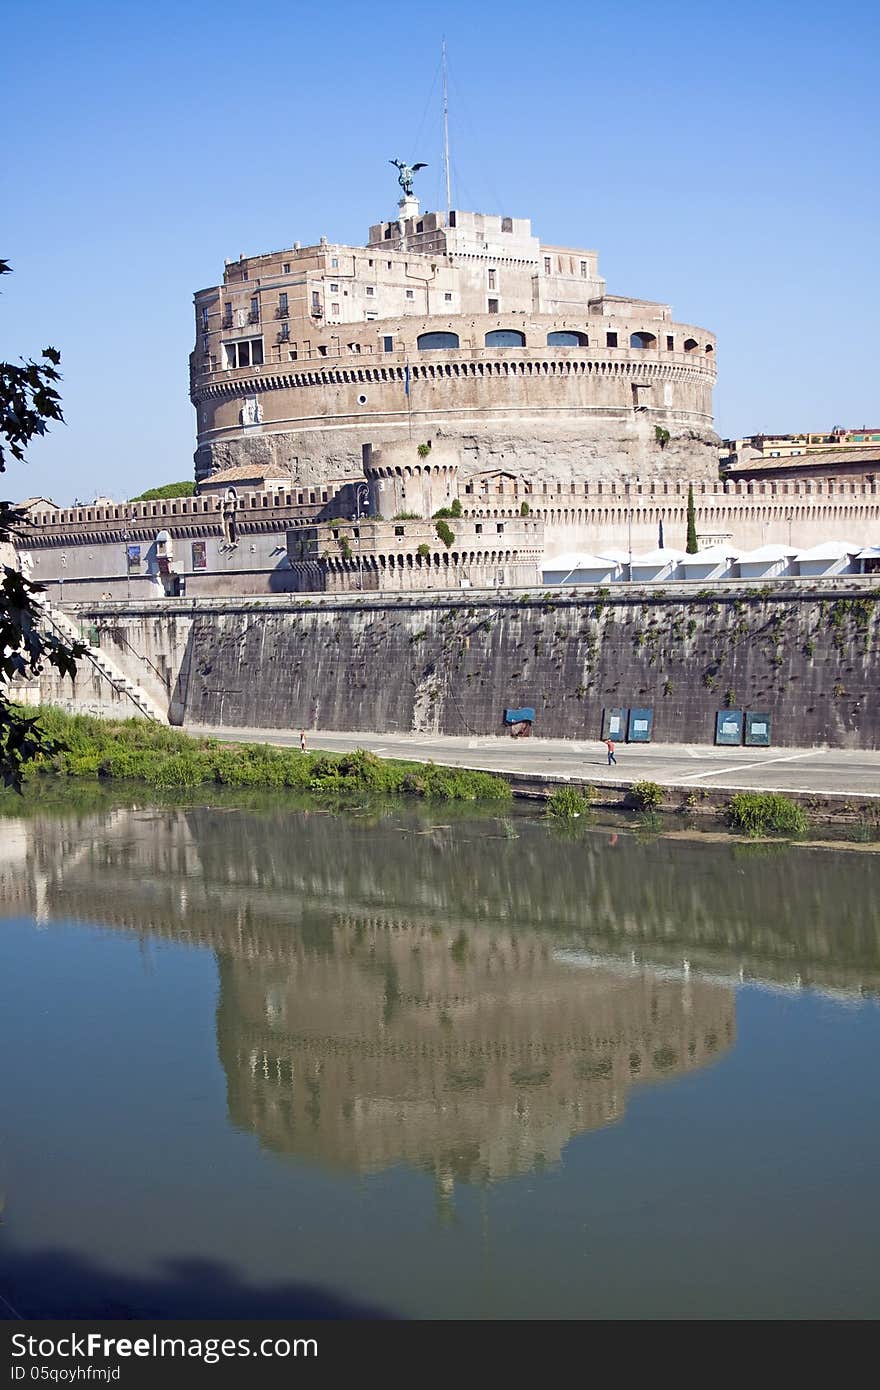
x=661 y=435
x=763 y=813
x=423 y=451
x=445 y=532
x=407 y=516
x=567 y=803
x=453 y=511
x=524 y=509
x=646 y=796
x=424 y=550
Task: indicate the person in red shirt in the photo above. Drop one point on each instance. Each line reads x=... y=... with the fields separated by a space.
x=609 y=744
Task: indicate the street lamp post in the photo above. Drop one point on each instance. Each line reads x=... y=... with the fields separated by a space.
x=361 y=498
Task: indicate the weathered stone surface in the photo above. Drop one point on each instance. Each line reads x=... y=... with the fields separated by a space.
x=806 y=655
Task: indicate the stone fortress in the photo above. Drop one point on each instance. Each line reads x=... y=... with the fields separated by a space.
x=456 y=326
x=454 y=364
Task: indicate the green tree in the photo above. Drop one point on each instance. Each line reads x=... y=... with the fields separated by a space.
x=166 y=490
x=29 y=400
x=691 y=546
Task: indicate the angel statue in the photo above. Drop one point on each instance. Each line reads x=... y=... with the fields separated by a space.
x=405 y=176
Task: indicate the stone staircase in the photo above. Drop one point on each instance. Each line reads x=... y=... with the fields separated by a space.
x=68 y=631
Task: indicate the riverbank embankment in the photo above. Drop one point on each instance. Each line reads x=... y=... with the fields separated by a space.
x=830 y=783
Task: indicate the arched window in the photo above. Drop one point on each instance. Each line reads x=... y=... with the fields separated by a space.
x=505 y=337
x=427 y=341
x=642 y=340
x=567 y=338
x=690 y=344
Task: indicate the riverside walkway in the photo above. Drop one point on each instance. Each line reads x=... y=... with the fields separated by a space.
x=834 y=772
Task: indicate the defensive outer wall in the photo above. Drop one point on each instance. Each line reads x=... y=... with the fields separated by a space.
x=80 y=554
x=450 y=663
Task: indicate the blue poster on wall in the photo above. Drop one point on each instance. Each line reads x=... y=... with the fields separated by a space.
x=757 y=730
x=614 y=724
x=641 y=722
x=729 y=726
x=134 y=556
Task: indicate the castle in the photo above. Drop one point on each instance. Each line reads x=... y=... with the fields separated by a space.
x=454 y=364
x=460 y=327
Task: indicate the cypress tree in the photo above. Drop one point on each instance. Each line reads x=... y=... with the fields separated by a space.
x=691 y=546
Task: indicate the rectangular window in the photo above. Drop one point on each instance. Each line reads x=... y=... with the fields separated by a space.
x=285 y=269
x=388 y=344
x=584 y=269
x=409 y=294
x=493 y=306
x=334 y=308
x=420 y=226
x=387 y=233
x=204 y=318
x=452 y=219
x=546 y=265
x=371 y=290
x=447 y=297
x=387 y=265
x=316 y=300
x=334 y=262
x=492 y=284
x=507 y=224
x=500 y=527
x=255 y=310
x=322 y=351
x=611 y=340
x=282 y=305
x=334 y=289
x=670 y=342
x=479 y=527
x=227 y=316
x=369 y=262
x=248 y=352
x=371 y=317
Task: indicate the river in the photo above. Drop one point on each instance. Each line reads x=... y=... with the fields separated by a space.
x=276 y=1061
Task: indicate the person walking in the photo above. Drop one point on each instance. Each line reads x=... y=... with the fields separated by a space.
x=609 y=744
x=302 y=741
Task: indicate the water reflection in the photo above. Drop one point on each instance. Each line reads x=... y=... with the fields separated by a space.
x=464 y=998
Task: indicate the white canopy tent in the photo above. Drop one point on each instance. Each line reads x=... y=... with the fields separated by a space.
x=579 y=567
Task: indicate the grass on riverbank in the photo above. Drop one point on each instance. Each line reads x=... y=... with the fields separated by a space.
x=766 y=813
x=168 y=760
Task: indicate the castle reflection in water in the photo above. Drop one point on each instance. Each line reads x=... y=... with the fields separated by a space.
x=399 y=992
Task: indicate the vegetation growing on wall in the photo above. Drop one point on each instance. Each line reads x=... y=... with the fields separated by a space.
x=646 y=796
x=453 y=511
x=445 y=532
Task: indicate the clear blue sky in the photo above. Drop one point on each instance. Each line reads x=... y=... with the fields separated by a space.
x=722 y=158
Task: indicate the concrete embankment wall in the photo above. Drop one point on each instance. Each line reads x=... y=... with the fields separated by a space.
x=807 y=654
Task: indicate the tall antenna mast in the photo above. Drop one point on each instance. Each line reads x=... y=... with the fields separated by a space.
x=446 y=133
